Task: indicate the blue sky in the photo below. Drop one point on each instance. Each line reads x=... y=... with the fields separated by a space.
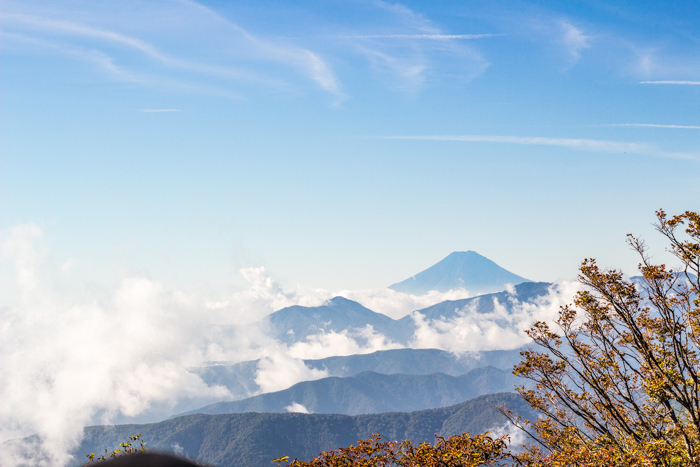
x=345 y=144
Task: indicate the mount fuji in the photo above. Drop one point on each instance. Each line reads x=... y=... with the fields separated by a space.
x=461 y=269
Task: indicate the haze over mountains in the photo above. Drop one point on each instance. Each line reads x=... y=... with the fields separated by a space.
x=416 y=362
x=434 y=357
x=239 y=378
x=460 y=270
x=371 y=392
x=352 y=381
x=297 y=323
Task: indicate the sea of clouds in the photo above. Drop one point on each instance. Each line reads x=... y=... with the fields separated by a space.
x=126 y=354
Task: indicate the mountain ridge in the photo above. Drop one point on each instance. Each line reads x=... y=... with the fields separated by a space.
x=254 y=439
x=239 y=378
x=460 y=269
x=371 y=392
x=295 y=323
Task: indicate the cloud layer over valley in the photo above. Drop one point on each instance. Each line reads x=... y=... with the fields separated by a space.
x=125 y=353
x=205 y=201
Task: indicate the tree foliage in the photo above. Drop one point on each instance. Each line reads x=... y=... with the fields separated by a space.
x=456 y=451
x=618 y=379
x=127 y=447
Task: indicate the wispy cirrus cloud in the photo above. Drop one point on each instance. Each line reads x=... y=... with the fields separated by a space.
x=594 y=145
x=35 y=23
x=306 y=60
x=423 y=36
x=223 y=49
x=574 y=39
x=106 y=63
x=682 y=83
x=407 y=50
x=96 y=58
x=657 y=125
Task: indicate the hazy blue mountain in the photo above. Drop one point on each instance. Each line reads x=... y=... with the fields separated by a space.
x=254 y=439
x=339 y=314
x=371 y=392
x=239 y=378
x=461 y=269
x=416 y=362
x=295 y=323
x=525 y=292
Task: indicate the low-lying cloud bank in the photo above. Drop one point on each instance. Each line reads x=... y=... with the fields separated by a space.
x=347 y=342
x=265 y=296
x=68 y=364
x=502 y=329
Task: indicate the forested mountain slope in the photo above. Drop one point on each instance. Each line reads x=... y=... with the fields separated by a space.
x=254 y=439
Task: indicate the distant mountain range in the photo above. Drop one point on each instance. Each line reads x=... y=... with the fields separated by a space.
x=416 y=362
x=383 y=387
x=254 y=439
x=296 y=323
x=364 y=394
x=239 y=378
x=461 y=269
x=371 y=392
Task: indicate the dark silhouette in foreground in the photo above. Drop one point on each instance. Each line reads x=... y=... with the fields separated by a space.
x=149 y=459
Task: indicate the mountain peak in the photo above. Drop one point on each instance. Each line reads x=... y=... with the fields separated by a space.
x=463 y=255
x=339 y=301
x=460 y=269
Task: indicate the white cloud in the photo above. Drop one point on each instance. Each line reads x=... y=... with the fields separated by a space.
x=516 y=435
x=655 y=63
x=501 y=329
x=280 y=371
x=407 y=17
x=682 y=83
x=303 y=59
x=588 y=144
x=408 y=72
x=264 y=296
x=295 y=407
x=66 y=27
x=412 y=51
x=594 y=145
x=17 y=246
x=100 y=60
x=347 y=342
x=439 y=37
x=125 y=353
x=574 y=40
x=63 y=363
x=399 y=304
x=320 y=72
x=222 y=48
x=656 y=125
